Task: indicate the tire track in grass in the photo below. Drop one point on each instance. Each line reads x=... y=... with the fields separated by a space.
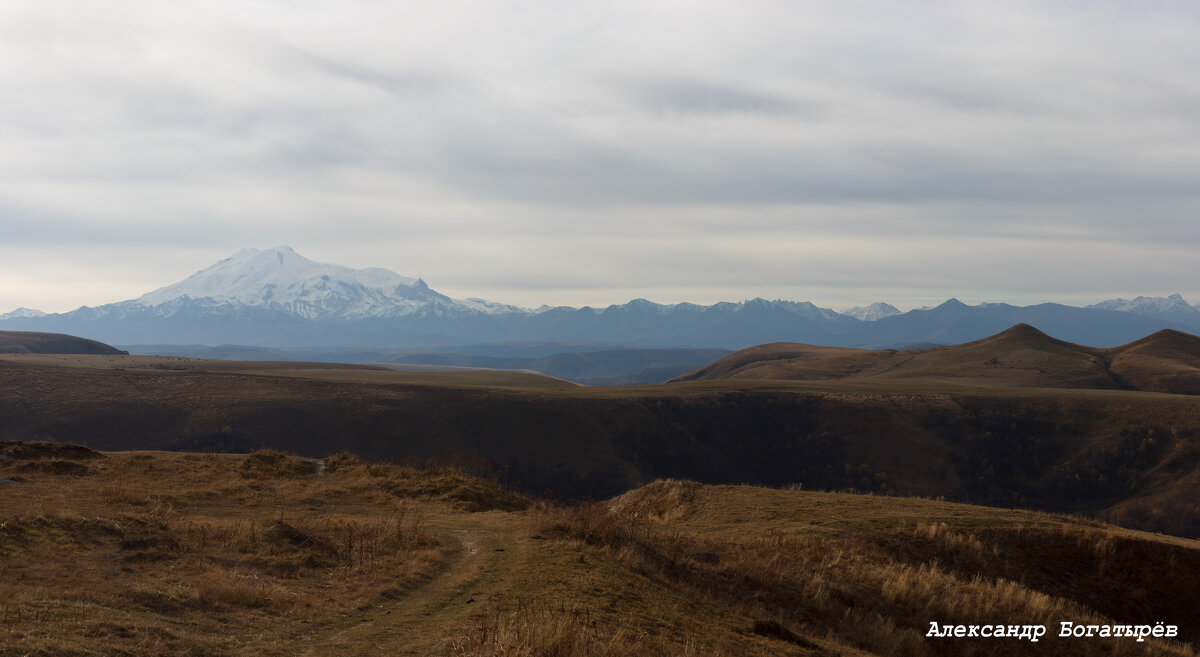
x=424 y=620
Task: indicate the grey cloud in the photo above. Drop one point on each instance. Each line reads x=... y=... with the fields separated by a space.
x=719 y=136
x=404 y=83
x=675 y=98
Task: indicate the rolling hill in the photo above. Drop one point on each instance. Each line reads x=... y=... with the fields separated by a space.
x=30 y=342
x=1022 y=357
x=1168 y=361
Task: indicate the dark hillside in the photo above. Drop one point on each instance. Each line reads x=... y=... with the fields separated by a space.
x=30 y=342
x=1130 y=456
x=1167 y=361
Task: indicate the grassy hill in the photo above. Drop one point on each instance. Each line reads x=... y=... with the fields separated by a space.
x=29 y=342
x=1168 y=361
x=153 y=553
x=1020 y=357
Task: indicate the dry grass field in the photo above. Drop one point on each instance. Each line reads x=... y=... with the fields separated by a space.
x=152 y=553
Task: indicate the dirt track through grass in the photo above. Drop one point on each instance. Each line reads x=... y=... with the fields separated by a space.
x=426 y=620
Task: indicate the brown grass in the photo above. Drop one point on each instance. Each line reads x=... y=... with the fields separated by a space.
x=877 y=589
x=271 y=554
x=173 y=546
x=526 y=630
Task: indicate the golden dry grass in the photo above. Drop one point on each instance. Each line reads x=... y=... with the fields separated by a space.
x=169 y=554
x=833 y=572
x=268 y=554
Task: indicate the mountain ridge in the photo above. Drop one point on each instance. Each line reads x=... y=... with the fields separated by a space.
x=277 y=298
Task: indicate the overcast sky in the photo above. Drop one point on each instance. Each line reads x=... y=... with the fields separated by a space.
x=589 y=153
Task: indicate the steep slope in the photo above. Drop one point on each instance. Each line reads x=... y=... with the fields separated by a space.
x=1167 y=361
x=28 y=342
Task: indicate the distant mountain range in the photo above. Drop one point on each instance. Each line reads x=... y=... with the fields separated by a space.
x=276 y=297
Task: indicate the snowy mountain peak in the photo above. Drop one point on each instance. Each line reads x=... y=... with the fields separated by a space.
x=23 y=313
x=1148 y=305
x=485 y=306
x=873 y=312
x=285 y=280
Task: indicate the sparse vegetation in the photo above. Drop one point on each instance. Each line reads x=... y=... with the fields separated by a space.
x=877 y=590
x=154 y=545
x=269 y=554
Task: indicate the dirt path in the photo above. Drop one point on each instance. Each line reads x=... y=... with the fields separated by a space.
x=426 y=620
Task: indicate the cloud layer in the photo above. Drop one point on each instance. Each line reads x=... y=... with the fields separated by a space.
x=835 y=151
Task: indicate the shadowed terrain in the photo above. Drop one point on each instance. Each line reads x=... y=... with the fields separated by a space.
x=961 y=423
x=29 y=342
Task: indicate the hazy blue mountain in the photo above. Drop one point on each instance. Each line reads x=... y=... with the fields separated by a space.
x=954 y=322
x=1172 y=308
x=875 y=311
x=22 y=313
x=277 y=298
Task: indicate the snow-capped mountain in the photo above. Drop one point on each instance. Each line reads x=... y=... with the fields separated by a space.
x=489 y=307
x=1172 y=309
x=281 y=279
x=276 y=297
x=873 y=312
x=1149 y=305
x=22 y=313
